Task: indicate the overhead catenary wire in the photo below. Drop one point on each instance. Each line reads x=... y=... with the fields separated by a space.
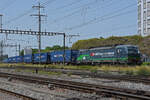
x=70 y=14
x=48 y=2
x=112 y=30
x=102 y=18
x=27 y=12
x=67 y=5
x=18 y=17
x=98 y=20
x=79 y=9
x=8 y=4
x=66 y=17
x=74 y=12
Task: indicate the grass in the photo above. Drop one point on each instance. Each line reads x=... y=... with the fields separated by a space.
x=49 y=73
x=39 y=72
x=128 y=70
x=85 y=67
x=143 y=71
x=146 y=63
x=136 y=70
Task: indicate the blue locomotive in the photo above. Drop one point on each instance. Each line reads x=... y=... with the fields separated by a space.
x=118 y=54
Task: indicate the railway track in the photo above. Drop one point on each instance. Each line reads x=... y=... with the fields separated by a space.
x=98 y=74
x=22 y=97
x=106 y=91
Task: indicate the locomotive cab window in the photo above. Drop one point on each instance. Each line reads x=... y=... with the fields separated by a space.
x=121 y=51
x=133 y=50
x=118 y=50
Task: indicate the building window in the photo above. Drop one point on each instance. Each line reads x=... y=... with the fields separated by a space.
x=144 y=24
x=144 y=30
x=139 y=16
x=144 y=3
x=139 y=32
x=139 y=8
x=144 y=15
x=148 y=22
x=139 y=1
x=139 y=24
x=148 y=5
x=139 y=12
x=148 y=13
x=148 y=30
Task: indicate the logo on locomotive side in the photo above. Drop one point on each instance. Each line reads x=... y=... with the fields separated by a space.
x=102 y=54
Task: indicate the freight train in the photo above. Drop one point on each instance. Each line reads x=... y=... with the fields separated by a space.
x=117 y=54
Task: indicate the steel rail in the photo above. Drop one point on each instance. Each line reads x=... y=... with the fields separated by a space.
x=137 y=79
x=23 y=97
x=84 y=87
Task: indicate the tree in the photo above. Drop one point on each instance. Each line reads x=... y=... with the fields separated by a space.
x=34 y=51
x=22 y=53
x=56 y=47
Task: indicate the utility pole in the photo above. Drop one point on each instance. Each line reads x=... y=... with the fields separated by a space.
x=1 y=50
x=1 y=23
x=19 y=49
x=39 y=15
x=64 y=55
x=16 y=50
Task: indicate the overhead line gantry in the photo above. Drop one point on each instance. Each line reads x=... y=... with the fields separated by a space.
x=36 y=33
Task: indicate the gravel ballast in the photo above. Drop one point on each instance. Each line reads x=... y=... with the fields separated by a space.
x=71 y=94
x=41 y=92
x=99 y=81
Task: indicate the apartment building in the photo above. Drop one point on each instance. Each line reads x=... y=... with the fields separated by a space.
x=144 y=17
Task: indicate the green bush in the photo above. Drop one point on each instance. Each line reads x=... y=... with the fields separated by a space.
x=143 y=71
x=94 y=71
x=146 y=63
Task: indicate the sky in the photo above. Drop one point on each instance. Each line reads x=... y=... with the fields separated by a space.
x=87 y=18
